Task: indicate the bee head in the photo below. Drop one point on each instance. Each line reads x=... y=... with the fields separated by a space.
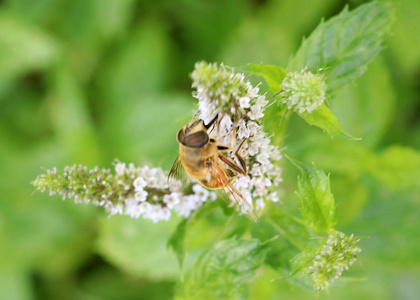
x=193 y=134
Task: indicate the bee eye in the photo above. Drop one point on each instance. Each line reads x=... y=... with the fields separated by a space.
x=197 y=139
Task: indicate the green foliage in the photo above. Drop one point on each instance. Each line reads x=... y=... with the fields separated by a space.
x=138 y=247
x=366 y=111
x=24 y=49
x=221 y=272
x=397 y=167
x=324 y=119
x=86 y=81
x=342 y=47
x=318 y=205
x=322 y=266
x=273 y=75
x=177 y=241
x=346 y=44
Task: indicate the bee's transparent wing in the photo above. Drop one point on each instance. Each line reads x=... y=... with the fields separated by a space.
x=243 y=204
x=220 y=175
x=177 y=173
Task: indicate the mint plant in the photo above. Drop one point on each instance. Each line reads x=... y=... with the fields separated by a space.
x=314 y=254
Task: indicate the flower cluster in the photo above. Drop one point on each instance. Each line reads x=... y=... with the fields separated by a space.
x=144 y=191
x=133 y=191
x=227 y=94
x=336 y=255
x=303 y=91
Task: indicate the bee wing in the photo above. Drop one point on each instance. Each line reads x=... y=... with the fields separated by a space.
x=219 y=174
x=177 y=172
x=245 y=206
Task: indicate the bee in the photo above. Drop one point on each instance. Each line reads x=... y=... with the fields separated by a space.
x=201 y=157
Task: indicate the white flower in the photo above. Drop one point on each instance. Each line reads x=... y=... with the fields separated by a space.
x=219 y=90
x=139 y=184
x=273 y=197
x=244 y=102
x=253 y=128
x=134 y=209
x=260 y=203
x=172 y=200
x=141 y=195
x=255 y=113
x=188 y=203
x=144 y=207
x=155 y=213
x=243 y=131
x=212 y=197
x=120 y=169
x=201 y=192
x=165 y=214
x=115 y=209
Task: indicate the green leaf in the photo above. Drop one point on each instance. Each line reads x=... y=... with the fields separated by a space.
x=344 y=45
x=351 y=195
x=300 y=272
x=273 y=31
x=71 y=119
x=15 y=283
x=177 y=241
x=339 y=156
x=220 y=273
x=366 y=108
x=23 y=49
x=404 y=42
x=291 y=236
x=138 y=246
x=273 y=75
x=318 y=205
x=397 y=167
x=324 y=119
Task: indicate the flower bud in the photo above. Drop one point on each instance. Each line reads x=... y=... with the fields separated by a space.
x=303 y=91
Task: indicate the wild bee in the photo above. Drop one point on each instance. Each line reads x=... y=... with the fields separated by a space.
x=202 y=159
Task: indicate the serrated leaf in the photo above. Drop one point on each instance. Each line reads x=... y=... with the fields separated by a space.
x=299 y=269
x=221 y=272
x=324 y=119
x=318 y=205
x=344 y=45
x=273 y=75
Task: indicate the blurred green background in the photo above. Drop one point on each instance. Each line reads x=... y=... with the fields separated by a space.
x=87 y=81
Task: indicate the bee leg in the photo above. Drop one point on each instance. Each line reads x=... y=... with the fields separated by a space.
x=242 y=169
x=230 y=148
x=211 y=123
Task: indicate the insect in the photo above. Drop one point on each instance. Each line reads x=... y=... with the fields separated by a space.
x=202 y=159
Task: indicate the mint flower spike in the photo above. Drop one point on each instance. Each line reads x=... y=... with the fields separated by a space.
x=132 y=191
x=221 y=91
x=334 y=257
x=303 y=91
